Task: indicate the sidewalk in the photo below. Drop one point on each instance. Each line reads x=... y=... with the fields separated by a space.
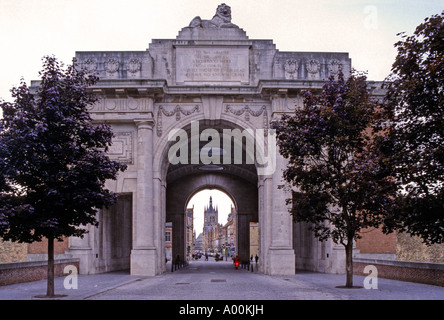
x=220 y=281
x=88 y=285
x=387 y=289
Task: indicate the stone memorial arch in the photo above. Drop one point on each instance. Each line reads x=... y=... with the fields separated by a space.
x=181 y=94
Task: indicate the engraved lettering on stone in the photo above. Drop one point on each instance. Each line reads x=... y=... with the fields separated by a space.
x=212 y=64
x=121 y=149
x=291 y=68
x=176 y=110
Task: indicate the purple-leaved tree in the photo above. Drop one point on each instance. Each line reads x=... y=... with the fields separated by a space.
x=53 y=162
x=414 y=123
x=340 y=184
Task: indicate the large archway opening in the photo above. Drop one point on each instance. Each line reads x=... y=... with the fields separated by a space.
x=211 y=214
x=237 y=179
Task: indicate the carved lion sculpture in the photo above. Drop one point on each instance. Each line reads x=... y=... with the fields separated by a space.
x=222 y=19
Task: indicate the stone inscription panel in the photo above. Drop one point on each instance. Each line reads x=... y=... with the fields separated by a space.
x=221 y=64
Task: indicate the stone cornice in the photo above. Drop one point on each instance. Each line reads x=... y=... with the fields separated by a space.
x=123 y=88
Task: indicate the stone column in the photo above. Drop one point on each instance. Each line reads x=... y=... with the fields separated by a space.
x=163 y=199
x=267 y=230
x=281 y=253
x=262 y=229
x=144 y=255
x=265 y=212
x=159 y=208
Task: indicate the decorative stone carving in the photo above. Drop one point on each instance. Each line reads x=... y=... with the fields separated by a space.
x=90 y=65
x=133 y=66
x=177 y=110
x=245 y=109
x=291 y=68
x=111 y=66
x=313 y=66
x=121 y=149
x=120 y=105
x=334 y=67
x=294 y=103
x=222 y=19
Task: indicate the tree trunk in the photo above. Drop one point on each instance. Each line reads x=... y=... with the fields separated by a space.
x=349 y=263
x=50 y=277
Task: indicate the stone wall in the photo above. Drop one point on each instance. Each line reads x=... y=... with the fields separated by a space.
x=19 y=272
x=428 y=273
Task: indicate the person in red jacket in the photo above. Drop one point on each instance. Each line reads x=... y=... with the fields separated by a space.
x=236 y=262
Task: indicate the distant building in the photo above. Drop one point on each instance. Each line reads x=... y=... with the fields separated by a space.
x=198 y=243
x=254 y=238
x=230 y=233
x=189 y=218
x=212 y=230
x=211 y=215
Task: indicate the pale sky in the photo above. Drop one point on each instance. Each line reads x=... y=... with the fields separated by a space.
x=31 y=29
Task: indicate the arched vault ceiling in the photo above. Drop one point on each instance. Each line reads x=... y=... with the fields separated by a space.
x=243 y=193
x=246 y=172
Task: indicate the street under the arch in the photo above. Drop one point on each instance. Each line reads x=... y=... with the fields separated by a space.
x=211 y=280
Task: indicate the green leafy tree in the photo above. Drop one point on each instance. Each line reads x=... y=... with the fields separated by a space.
x=340 y=184
x=53 y=160
x=414 y=112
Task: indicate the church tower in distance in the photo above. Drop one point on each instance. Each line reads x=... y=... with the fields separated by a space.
x=211 y=216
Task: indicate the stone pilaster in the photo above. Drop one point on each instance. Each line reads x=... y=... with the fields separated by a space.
x=281 y=255
x=144 y=253
x=159 y=213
